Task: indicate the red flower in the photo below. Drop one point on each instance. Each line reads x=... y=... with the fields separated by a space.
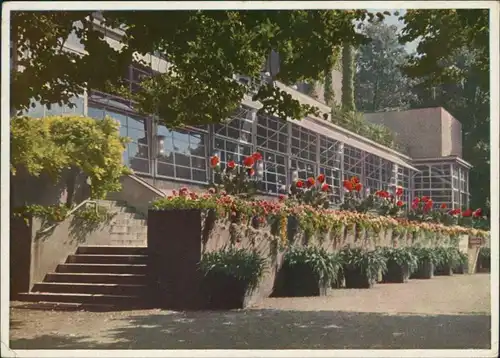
x=251 y=172
x=310 y=182
x=249 y=161
x=348 y=185
x=299 y=184
x=467 y=213
x=416 y=200
x=428 y=205
x=214 y=161
x=281 y=197
x=414 y=205
x=477 y=213
x=355 y=180
x=400 y=203
x=444 y=206
x=325 y=187
x=425 y=199
x=399 y=191
x=321 y=178
x=231 y=164
x=211 y=191
x=382 y=194
x=358 y=187
x=455 y=212
x=257 y=156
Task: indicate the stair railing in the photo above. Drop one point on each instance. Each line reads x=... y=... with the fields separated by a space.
x=82 y=204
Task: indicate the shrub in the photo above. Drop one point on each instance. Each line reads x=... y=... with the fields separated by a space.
x=324 y=265
x=242 y=264
x=368 y=262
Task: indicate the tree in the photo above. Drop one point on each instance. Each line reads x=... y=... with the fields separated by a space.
x=442 y=33
x=452 y=69
x=203 y=48
x=348 y=78
x=379 y=82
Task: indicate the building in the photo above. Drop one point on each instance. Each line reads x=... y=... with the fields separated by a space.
x=169 y=159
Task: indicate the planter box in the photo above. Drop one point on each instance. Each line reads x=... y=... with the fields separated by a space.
x=460 y=269
x=396 y=273
x=483 y=264
x=443 y=270
x=222 y=292
x=300 y=281
x=425 y=270
x=355 y=278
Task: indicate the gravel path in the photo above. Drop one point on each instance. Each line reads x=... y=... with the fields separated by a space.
x=442 y=313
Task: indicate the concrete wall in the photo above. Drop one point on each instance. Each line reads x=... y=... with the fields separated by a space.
x=426 y=132
x=34 y=255
x=137 y=192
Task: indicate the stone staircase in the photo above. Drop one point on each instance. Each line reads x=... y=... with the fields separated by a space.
x=127 y=227
x=96 y=278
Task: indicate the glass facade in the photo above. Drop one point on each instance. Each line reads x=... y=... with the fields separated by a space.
x=445 y=182
x=288 y=150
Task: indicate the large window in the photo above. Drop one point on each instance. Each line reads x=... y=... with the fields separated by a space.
x=272 y=134
x=353 y=162
x=182 y=154
x=304 y=143
x=238 y=127
x=274 y=178
x=373 y=172
x=228 y=150
x=330 y=156
x=136 y=154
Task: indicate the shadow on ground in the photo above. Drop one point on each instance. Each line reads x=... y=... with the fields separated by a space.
x=277 y=329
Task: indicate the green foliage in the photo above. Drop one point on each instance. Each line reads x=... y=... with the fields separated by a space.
x=348 y=71
x=484 y=253
x=325 y=266
x=380 y=83
x=447 y=255
x=402 y=256
x=451 y=69
x=242 y=264
x=442 y=34
x=368 y=262
x=238 y=179
x=47 y=214
x=312 y=192
x=355 y=122
x=427 y=253
x=53 y=144
x=203 y=48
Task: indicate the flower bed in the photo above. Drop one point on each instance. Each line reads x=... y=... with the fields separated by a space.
x=230 y=216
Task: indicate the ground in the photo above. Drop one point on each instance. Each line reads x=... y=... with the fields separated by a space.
x=441 y=313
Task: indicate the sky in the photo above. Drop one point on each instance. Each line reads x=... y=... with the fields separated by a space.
x=393 y=20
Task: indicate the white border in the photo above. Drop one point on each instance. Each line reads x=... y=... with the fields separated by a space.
x=193 y=5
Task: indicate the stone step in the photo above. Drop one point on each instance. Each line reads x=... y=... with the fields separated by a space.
x=90 y=288
x=102 y=268
x=86 y=277
x=81 y=298
x=121 y=229
x=123 y=221
x=111 y=250
x=106 y=259
x=131 y=243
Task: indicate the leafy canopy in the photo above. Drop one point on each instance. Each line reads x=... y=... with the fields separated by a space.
x=52 y=144
x=204 y=50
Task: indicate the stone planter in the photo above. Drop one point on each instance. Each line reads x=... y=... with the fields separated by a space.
x=222 y=292
x=425 y=270
x=300 y=281
x=483 y=264
x=356 y=278
x=396 y=273
x=460 y=269
x=443 y=270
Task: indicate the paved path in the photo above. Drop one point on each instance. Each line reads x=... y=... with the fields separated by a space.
x=442 y=313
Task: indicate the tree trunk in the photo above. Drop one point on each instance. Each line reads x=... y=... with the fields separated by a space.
x=348 y=78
